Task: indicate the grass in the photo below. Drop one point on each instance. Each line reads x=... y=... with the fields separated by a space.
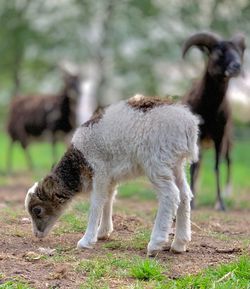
x=138 y=189
x=14 y=285
x=137 y=241
x=149 y=273
x=227 y=276
x=41 y=154
x=112 y=267
x=148 y=269
x=71 y=223
x=9 y=216
x=100 y=269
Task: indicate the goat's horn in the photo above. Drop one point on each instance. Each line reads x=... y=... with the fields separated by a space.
x=204 y=39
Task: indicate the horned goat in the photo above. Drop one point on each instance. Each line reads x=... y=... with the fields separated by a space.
x=35 y=115
x=207 y=98
x=141 y=136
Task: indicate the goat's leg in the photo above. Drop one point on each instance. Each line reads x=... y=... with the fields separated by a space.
x=29 y=159
x=228 y=189
x=27 y=155
x=98 y=199
x=9 y=157
x=106 y=224
x=219 y=201
x=194 y=172
x=168 y=195
x=183 y=223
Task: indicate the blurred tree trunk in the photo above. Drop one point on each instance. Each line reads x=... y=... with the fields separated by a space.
x=100 y=50
x=16 y=76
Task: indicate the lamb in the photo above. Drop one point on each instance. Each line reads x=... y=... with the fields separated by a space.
x=35 y=115
x=140 y=136
x=208 y=100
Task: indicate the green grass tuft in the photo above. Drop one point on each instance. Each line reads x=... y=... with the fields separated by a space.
x=148 y=269
x=14 y=285
x=235 y=275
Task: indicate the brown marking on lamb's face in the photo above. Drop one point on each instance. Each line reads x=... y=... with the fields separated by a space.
x=145 y=103
x=45 y=201
x=44 y=209
x=96 y=117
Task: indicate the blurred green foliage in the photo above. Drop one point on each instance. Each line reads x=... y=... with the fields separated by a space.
x=130 y=39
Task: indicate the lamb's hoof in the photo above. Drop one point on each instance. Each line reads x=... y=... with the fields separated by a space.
x=152 y=253
x=178 y=247
x=104 y=235
x=84 y=244
x=155 y=248
x=166 y=247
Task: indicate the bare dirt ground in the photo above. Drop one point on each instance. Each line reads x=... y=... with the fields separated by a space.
x=217 y=238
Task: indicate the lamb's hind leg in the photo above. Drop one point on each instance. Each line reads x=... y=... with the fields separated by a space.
x=168 y=195
x=183 y=223
x=194 y=172
x=98 y=199
x=106 y=224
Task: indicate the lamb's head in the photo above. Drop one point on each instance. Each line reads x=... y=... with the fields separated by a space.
x=225 y=57
x=45 y=204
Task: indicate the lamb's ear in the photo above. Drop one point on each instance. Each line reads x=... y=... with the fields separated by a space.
x=49 y=186
x=239 y=40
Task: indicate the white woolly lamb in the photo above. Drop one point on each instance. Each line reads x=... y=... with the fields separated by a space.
x=141 y=136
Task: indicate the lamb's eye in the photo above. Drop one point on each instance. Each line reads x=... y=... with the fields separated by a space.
x=37 y=211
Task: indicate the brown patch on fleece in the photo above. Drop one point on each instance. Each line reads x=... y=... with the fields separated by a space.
x=96 y=117
x=146 y=103
x=65 y=180
x=72 y=168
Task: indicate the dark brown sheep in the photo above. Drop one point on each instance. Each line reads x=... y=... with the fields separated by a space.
x=207 y=98
x=36 y=115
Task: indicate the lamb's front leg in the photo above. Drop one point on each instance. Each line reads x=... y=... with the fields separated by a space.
x=98 y=199
x=168 y=195
x=106 y=225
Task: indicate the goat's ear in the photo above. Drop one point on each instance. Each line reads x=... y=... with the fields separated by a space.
x=239 y=40
x=49 y=186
